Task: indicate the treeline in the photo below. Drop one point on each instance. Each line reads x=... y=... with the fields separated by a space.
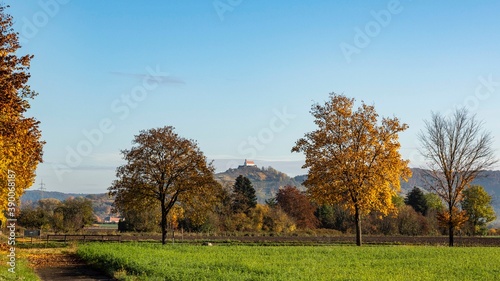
x=68 y=216
x=290 y=210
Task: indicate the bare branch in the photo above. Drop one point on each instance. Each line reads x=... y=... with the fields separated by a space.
x=457 y=150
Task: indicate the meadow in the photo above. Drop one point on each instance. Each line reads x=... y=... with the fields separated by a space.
x=152 y=261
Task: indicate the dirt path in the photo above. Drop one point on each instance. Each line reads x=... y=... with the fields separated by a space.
x=59 y=267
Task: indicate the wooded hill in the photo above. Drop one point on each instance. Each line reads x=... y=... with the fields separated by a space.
x=266 y=181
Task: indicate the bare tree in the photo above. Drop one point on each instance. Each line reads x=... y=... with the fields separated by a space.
x=457 y=149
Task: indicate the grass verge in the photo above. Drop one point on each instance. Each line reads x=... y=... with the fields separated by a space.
x=22 y=270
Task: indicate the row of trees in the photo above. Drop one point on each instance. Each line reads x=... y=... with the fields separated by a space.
x=353 y=161
x=476 y=205
x=235 y=209
x=292 y=209
x=70 y=215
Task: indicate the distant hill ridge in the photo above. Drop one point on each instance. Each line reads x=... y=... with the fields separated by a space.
x=101 y=203
x=35 y=195
x=490 y=180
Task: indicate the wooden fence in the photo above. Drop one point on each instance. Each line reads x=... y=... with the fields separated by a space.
x=84 y=237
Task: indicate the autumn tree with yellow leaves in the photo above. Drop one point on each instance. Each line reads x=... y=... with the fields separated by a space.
x=20 y=144
x=165 y=168
x=353 y=158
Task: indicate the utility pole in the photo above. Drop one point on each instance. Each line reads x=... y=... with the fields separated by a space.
x=42 y=188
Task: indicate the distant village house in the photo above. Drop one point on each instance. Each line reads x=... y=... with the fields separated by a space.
x=111 y=220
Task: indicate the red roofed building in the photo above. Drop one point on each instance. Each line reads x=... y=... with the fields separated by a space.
x=249 y=163
x=111 y=220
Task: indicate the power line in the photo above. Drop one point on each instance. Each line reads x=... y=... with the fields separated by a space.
x=42 y=188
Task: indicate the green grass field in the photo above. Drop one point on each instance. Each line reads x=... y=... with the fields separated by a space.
x=107 y=225
x=152 y=261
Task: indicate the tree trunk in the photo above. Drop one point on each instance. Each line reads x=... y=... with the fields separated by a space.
x=451 y=229
x=163 y=223
x=357 y=219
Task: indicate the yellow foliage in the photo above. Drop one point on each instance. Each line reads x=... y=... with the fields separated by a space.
x=258 y=213
x=457 y=218
x=175 y=215
x=353 y=159
x=20 y=145
x=241 y=222
x=262 y=217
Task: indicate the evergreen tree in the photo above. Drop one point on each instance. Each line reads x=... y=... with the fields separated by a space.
x=417 y=200
x=243 y=198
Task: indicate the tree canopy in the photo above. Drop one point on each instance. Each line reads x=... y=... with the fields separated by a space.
x=71 y=215
x=297 y=205
x=353 y=158
x=20 y=144
x=477 y=204
x=166 y=167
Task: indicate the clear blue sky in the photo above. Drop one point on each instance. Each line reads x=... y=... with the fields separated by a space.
x=240 y=76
